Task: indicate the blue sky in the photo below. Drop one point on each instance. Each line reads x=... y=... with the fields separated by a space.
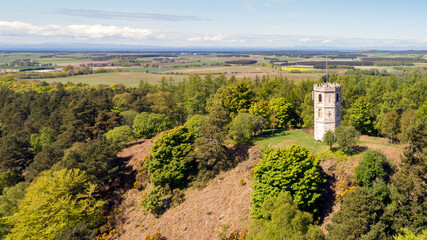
x=317 y=24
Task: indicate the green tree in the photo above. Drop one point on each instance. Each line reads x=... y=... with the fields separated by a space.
x=390 y=125
x=147 y=124
x=245 y=125
x=408 y=189
x=281 y=219
x=360 y=116
x=195 y=122
x=293 y=169
x=9 y=204
x=97 y=158
x=372 y=166
x=120 y=135
x=8 y=179
x=104 y=122
x=44 y=160
x=261 y=108
x=209 y=156
x=329 y=139
x=237 y=97
x=14 y=151
x=347 y=137
x=283 y=112
x=53 y=202
x=197 y=91
x=408 y=235
x=422 y=112
x=408 y=121
x=128 y=117
x=358 y=218
x=122 y=101
x=164 y=103
x=45 y=136
x=167 y=163
x=307 y=113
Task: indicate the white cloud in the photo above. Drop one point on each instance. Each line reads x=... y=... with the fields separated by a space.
x=26 y=33
x=74 y=31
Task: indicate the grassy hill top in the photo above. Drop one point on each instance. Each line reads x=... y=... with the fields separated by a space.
x=223 y=205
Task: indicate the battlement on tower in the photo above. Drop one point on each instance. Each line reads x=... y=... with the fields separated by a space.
x=327 y=87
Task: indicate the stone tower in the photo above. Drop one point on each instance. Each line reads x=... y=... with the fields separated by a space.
x=327 y=108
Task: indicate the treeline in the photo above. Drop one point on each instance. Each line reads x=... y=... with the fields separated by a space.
x=363 y=62
x=304 y=54
x=241 y=62
x=129 y=56
x=333 y=64
x=233 y=55
x=67 y=71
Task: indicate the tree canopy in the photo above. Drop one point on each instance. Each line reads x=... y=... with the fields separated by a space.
x=292 y=169
x=53 y=202
x=167 y=164
x=148 y=124
x=280 y=218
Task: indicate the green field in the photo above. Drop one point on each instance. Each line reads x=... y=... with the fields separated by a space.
x=76 y=57
x=287 y=138
x=306 y=139
x=129 y=79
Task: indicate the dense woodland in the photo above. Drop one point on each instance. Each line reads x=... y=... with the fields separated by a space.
x=60 y=177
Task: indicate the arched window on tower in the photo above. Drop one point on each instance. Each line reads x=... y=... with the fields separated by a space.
x=319 y=113
x=338 y=97
x=320 y=97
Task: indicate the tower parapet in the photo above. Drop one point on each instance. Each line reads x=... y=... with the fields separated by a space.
x=327 y=108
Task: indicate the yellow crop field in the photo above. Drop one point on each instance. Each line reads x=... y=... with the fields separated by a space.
x=301 y=69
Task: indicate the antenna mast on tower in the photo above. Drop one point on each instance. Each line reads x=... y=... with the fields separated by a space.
x=327 y=76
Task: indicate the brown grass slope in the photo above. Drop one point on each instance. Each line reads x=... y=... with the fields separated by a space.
x=222 y=206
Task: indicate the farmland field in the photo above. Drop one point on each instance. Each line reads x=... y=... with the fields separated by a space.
x=151 y=67
x=129 y=79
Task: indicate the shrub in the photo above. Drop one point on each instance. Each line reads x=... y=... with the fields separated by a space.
x=245 y=125
x=120 y=135
x=148 y=124
x=142 y=178
x=371 y=167
x=152 y=202
x=347 y=137
x=329 y=138
x=156 y=236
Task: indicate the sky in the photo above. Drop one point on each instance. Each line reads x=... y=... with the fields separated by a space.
x=251 y=24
